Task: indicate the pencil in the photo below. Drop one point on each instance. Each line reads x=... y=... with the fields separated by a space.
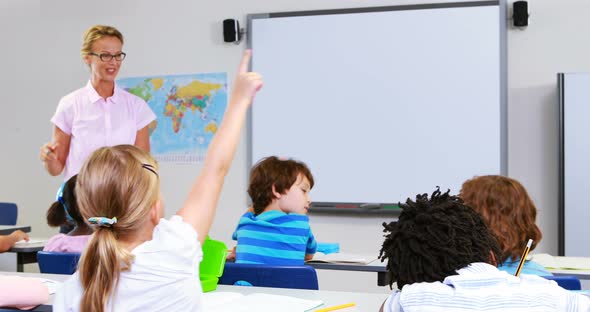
x=525 y=253
x=336 y=307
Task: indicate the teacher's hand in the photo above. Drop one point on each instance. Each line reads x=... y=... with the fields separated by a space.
x=48 y=152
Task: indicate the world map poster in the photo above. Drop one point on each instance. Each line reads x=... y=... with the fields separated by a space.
x=189 y=109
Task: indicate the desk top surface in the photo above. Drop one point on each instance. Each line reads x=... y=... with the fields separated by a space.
x=33 y=245
x=7 y=229
x=378 y=266
x=373 y=266
x=363 y=301
x=581 y=274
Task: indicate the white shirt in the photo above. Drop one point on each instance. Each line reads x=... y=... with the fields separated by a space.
x=164 y=275
x=482 y=287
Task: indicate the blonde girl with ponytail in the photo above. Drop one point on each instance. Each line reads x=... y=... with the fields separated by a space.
x=136 y=260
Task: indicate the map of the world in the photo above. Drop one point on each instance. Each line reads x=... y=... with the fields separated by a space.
x=189 y=108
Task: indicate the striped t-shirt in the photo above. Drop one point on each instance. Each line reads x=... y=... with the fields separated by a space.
x=274 y=237
x=482 y=287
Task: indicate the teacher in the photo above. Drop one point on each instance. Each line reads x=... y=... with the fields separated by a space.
x=98 y=114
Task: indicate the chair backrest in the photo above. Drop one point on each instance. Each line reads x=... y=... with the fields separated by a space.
x=58 y=262
x=8 y=213
x=566 y=281
x=264 y=275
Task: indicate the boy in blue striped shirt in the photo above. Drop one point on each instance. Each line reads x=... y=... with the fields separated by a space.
x=276 y=229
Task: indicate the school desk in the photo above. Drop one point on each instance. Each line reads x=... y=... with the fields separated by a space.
x=7 y=229
x=53 y=277
x=581 y=274
x=26 y=253
x=375 y=266
x=380 y=268
x=363 y=301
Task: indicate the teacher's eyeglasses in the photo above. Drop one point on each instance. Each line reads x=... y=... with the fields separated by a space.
x=106 y=57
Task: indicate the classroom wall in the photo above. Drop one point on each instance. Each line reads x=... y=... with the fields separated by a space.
x=41 y=63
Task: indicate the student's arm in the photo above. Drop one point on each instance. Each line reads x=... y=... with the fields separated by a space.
x=54 y=154
x=199 y=208
x=311 y=248
x=7 y=241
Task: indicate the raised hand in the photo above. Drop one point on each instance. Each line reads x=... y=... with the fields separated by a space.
x=246 y=83
x=199 y=208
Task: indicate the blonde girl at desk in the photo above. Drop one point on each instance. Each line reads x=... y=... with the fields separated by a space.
x=136 y=260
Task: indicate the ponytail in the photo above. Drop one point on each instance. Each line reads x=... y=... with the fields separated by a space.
x=56 y=215
x=100 y=268
x=115 y=182
x=65 y=208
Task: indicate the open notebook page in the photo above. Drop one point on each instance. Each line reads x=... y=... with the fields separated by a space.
x=236 y=302
x=342 y=258
x=565 y=263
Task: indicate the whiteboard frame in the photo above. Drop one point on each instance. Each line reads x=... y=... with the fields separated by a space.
x=502 y=24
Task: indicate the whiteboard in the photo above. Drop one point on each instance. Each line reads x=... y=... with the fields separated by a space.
x=382 y=103
x=574 y=90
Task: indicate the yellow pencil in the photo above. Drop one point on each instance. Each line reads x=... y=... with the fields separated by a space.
x=336 y=307
x=525 y=254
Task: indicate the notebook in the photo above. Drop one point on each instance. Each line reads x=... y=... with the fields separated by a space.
x=341 y=258
x=235 y=302
x=563 y=263
x=32 y=241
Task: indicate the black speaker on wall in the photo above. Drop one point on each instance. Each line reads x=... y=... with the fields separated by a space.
x=231 y=30
x=520 y=13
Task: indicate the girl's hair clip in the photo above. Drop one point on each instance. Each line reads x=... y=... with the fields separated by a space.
x=150 y=168
x=60 y=198
x=102 y=221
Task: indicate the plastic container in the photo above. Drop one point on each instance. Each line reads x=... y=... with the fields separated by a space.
x=211 y=267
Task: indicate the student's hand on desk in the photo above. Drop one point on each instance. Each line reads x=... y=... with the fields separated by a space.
x=231 y=256
x=19 y=235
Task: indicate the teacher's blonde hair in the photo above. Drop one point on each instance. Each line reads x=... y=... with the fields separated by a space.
x=97 y=32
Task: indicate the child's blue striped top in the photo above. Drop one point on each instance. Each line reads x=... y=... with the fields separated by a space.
x=274 y=237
